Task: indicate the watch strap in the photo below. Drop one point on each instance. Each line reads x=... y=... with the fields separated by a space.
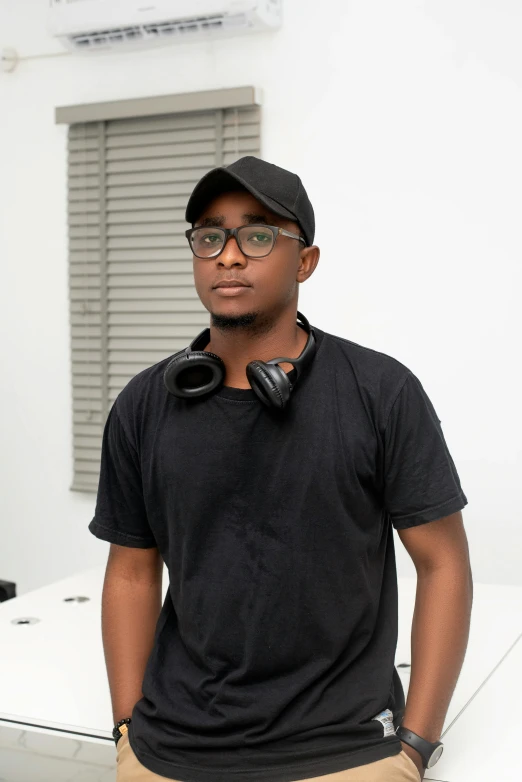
x=424 y=748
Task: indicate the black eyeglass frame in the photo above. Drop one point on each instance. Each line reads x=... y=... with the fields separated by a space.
x=276 y=231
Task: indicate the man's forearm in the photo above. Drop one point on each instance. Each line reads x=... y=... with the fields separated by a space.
x=439 y=639
x=130 y=611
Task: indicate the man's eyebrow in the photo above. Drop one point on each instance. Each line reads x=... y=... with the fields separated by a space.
x=211 y=222
x=252 y=218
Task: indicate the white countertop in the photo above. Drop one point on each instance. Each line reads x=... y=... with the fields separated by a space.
x=53 y=676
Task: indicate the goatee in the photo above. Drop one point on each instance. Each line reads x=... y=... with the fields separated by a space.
x=252 y=322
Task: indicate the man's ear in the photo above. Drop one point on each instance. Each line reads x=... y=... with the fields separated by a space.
x=309 y=258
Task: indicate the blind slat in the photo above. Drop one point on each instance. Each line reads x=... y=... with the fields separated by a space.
x=138 y=294
x=245 y=146
x=144 y=203
x=146 y=358
x=233 y=116
x=87 y=194
x=82 y=169
x=136 y=331
x=129 y=231
x=83 y=440
x=145 y=255
x=152 y=267
x=154 y=189
x=83 y=419
x=82 y=181
x=187 y=168
x=87 y=393
x=86 y=381
x=131 y=368
x=91 y=243
x=86 y=406
x=83 y=130
x=180 y=181
x=79 y=369
x=144 y=218
x=86 y=320
x=81 y=484
x=169 y=305
x=157 y=319
x=87 y=467
x=81 y=157
x=87 y=358
x=136 y=267
x=93 y=431
x=81 y=294
x=162 y=137
x=160 y=346
x=250 y=130
x=167 y=122
x=84 y=207
x=83 y=219
x=87 y=454
x=192 y=149
x=83 y=143
x=84 y=232
x=146 y=281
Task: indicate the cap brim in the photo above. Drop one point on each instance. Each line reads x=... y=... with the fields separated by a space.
x=217 y=181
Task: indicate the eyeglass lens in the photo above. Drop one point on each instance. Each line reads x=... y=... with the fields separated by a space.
x=254 y=241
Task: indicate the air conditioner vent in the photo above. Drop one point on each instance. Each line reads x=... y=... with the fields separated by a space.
x=146 y=32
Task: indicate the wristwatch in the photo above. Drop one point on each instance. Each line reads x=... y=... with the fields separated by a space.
x=116 y=732
x=430 y=752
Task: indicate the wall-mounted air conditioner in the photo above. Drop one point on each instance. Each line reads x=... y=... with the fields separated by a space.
x=90 y=25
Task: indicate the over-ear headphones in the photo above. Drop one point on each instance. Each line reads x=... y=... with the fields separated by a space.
x=194 y=372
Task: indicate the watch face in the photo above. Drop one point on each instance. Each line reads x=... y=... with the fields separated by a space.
x=435 y=756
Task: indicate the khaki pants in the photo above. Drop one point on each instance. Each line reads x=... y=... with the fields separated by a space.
x=398 y=768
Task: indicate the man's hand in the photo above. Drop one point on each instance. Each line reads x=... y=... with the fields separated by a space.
x=415 y=756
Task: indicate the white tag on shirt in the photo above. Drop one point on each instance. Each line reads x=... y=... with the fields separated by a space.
x=386 y=720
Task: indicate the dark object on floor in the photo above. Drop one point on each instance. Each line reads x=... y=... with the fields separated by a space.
x=7 y=590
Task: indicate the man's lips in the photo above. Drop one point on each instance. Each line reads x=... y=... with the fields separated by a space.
x=232 y=284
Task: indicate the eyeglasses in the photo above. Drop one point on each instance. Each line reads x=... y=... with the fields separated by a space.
x=254 y=241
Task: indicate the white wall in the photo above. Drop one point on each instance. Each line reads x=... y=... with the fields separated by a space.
x=404 y=121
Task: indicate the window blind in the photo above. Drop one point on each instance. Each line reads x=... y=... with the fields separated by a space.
x=132 y=295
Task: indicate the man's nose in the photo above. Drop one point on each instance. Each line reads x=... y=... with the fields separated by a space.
x=231 y=253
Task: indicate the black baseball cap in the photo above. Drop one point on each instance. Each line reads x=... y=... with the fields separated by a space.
x=278 y=189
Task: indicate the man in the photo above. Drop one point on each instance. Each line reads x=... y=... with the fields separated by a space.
x=272 y=656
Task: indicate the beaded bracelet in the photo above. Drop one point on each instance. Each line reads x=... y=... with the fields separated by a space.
x=116 y=733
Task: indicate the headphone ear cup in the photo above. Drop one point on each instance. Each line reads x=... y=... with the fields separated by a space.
x=270 y=383
x=194 y=374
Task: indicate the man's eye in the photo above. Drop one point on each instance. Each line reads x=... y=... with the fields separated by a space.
x=259 y=238
x=212 y=238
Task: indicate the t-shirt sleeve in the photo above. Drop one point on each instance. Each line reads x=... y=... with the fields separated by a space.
x=421 y=483
x=120 y=515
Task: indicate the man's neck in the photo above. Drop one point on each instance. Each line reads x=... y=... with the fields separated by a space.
x=238 y=348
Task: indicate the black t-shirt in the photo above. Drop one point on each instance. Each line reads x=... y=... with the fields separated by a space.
x=274 y=651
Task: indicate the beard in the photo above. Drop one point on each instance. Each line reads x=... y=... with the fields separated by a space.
x=252 y=323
